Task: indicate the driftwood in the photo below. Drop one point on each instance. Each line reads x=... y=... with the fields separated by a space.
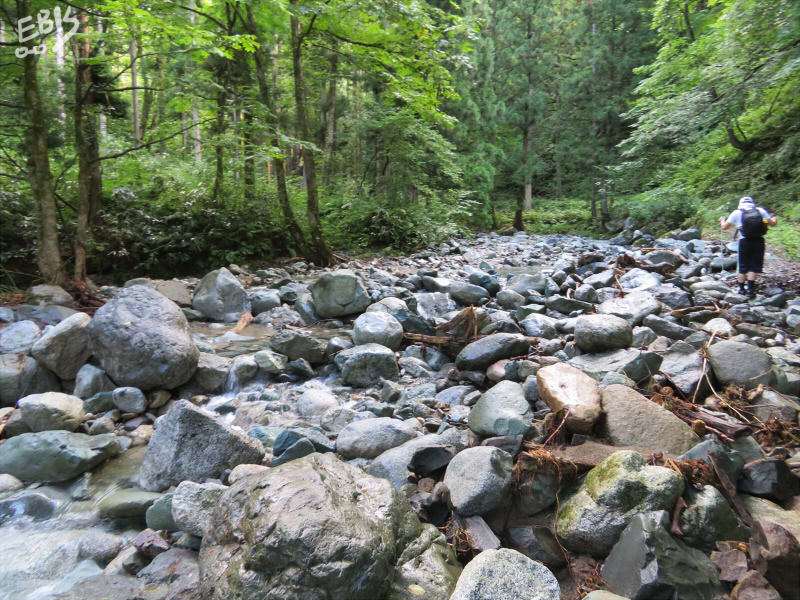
x=85 y=300
x=690 y=413
x=626 y=261
x=243 y=322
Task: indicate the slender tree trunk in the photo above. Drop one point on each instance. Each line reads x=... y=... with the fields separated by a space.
x=249 y=158
x=137 y=131
x=557 y=146
x=84 y=129
x=330 y=115
x=38 y=168
x=219 y=151
x=198 y=151
x=274 y=141
x=322 y=254
x=528 y=191
x=185 y=134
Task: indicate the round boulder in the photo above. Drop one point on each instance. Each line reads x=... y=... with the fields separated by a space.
x=378 y=328
x=50 y=411
x=506 y=573
x=366 y=365
x=339 y=293
x=142 y=340
x=598 y=333
x=64 y=349
x=221 y=297
x=479 y=479
x=368 y=438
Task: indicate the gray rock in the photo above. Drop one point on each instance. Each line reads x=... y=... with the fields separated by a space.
x=21 y=376
x=369 y=438
x=90 y=381
x=770 y=404
x=175 y=290
x=708 y=518
x=502 y=410
x=9 y=483
x=736 y=363
x=632 y=307
x=193 y=506
x=769 y=478
x=142 y=340
x=479 y=479
x=563 y=387
x=378 y=328
x=64 y=349
x=359 y=532
x=100 y=546
x=130 y=400
x=667 y=328
x=212 y=371
x=636 y=364
x=130 y=503
x=633 y=420
x=481 y=354
x=505 y=573
x=99 y=403
x=469 y=294
x=159 y=514
x=264 y=300
x=537 y=543
x=51 y=411
x=366 y=365
x=304 y=306
x=510 y=300
x=49 y=294
x=525 y=283
x=648 y=563
x=728 y=459
x=189 y=444
x=643 y=337
x=301 y=448
x=19 y=337
x=270 y=362
x=220 y=296
x=540 y=326
x=339 y=293
x=599 y=333
x=622 y=486
x=686 y=369
x=299 y=344
x=55 y=455
x=313 y=403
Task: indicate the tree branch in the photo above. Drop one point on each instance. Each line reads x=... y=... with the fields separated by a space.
x=150 y=143
x=202 y=14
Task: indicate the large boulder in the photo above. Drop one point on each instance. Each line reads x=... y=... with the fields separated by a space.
x=19 y=337
x=633 y=420
x=506 y=574
x=366 y=365
x=190 y=444
x=502 y=410
x=468 y=294
x=220 y=296
x=368 y=438
x=479 y=479
x=339 y=293
x=142 y=340
x=21 y=376
x=598 y=333
x=648 y=562
x=633 y=307
x=64 y=349
x=636 y=364
x=317 y=527
x=591 y=520
x=55 y=455
x=482 y=353
x=378 y=328
x=299 y=344
x=564 y=387
x=686 y=369
x=737 y=363
x=51 y=410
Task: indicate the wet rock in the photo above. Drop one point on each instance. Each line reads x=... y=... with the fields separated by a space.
x=130 y=503
x=469 y=294
x=263 y=301
x=506 y=573
x=686 y=369
x=91 y=380
x=369 y=438
x=563 y=387
x=19 y=338
x=64 y=349
x=358 y=531
x=648 y=563
x=299 y=344
x=220 y=296
x=769 y=478
x=315 y=402
x=142 y=340
x=366 y=365
x=633 y=420
x=339 y=293
x=299 y=449
x=708 y=519
x=150 y=544
x=100 y=546
x=483 y=353
x=599 y=333
x=740 y=364
x=189 y=444
x=193 y=506
x=159 y=514
x=52 y=410
x=55 y=455
x=636 y=364
x=212 y=371
x=622 y=486
x=378 y=328
x=130 y=400
x=478 y=479
x=502 y=410
x=633 y=307
x=36 y=507
x=9 y=483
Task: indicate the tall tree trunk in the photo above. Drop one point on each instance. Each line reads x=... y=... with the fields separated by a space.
x=38 y=168
x=557 y=145
x=330 y=115
x=249 y=158
x=274 y=140
x=528 y=188
x=219 y=151
x=137 y=131
x=198 y=153
x=322 y=255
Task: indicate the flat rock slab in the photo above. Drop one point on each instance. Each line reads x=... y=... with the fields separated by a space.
x=563 y=387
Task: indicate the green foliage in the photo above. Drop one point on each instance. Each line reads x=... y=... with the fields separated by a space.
x=549 y=215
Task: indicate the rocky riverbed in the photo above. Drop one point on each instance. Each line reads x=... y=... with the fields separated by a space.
x=507 y=416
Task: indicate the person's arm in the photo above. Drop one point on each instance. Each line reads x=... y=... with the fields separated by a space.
x=772 y=221
x=726 y=224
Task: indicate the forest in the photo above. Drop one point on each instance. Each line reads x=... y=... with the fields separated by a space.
x=172 y=137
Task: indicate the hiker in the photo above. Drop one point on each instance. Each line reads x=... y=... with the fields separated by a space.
x=752 y=223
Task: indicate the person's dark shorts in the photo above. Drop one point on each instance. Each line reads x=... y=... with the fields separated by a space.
x=751 y=255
